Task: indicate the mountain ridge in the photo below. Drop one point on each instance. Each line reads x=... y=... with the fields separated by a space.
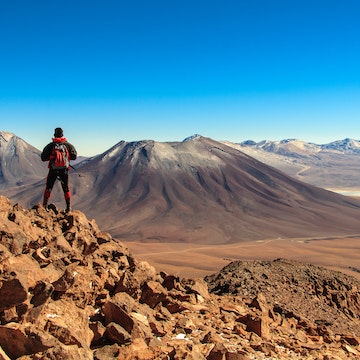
x=346 y=145
x=201 y=191
x=293 y=156
x=334 y=165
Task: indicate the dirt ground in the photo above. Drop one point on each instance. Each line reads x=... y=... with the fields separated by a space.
x=187 y=260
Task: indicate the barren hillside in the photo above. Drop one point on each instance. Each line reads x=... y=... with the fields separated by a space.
x=70 y=291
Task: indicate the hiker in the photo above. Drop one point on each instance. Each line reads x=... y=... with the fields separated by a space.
x=59 y=153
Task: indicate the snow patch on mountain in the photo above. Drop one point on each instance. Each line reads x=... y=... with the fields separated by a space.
x=346 y=145
x=287 y=147
x=192 y=137
x=332 y=165
x=298 y=148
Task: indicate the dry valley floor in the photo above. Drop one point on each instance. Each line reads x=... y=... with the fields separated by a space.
x=193 y=260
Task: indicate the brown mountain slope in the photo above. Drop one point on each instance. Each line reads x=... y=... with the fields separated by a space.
x=200 y=191
x=19 y=162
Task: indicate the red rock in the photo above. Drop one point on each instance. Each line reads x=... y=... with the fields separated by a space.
x=64 y=283
x=220 y=352
x=170 y=281
x=257 y=324
x=197 y=286
x=212 y=338
x=98 y=330
x=64 y=295
x=3 y=355
x=117 y=334
x=41 y=293
x=28 y=269
x=61 y=351
x=351 y=340
x=107 y=352
x=68 y=323
x=152 y=293
x=24 y=339
x=131 y=282
x=174 y=306
x=137 y=350
x=114 y=313
x=13 y=290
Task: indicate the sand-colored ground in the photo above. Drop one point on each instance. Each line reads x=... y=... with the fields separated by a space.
x=187 y=260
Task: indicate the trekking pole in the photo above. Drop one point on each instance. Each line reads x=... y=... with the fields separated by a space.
x=78 y=174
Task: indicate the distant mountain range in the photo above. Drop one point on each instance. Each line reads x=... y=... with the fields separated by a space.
x=295 y=147
x=197 y=190
x=335 y=165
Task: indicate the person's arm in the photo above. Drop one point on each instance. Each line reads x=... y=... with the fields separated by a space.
x=72 y=151
x=45 y=155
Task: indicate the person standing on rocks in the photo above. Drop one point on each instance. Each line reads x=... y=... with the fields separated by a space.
x=59 y=153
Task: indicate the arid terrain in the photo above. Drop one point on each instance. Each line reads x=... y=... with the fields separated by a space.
x=210 y=254
x=341 y=254
x=190 y=207
x=71 y=291
x=331 y=166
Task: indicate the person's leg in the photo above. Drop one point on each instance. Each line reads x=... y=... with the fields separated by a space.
x=50 y=180
x=64 y=178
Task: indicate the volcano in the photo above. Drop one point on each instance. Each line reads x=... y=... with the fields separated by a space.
x=199 y=191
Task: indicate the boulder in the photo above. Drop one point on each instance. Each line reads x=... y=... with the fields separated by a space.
x=24 y=339
x=117 y=334
x=13 y=290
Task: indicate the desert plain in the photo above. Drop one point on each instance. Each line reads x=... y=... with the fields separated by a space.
x=190 y=260
x=193 y=260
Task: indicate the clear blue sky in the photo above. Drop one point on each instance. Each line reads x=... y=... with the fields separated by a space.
x=129 y=70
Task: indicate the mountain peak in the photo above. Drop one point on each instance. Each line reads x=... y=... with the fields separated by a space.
x=343 y=145
x=6 y=136
x=19 y=161
x=193 y=137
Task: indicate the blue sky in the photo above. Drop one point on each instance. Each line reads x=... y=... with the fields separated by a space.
x=107 y=71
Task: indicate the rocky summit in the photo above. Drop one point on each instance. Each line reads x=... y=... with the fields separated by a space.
x=71 y=291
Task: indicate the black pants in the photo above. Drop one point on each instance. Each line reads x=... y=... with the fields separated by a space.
x=63 y=176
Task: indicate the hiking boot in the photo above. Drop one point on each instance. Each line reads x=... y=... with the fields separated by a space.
x=68 y=209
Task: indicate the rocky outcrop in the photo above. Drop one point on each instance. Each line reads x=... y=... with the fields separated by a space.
x=317 y=294
x=71 y=291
